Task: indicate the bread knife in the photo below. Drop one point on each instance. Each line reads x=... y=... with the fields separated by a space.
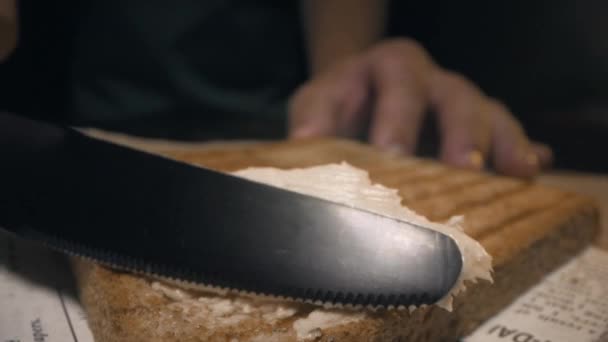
x=149 y=214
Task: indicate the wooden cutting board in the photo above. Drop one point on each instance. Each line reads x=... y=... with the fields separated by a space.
x=528 y=229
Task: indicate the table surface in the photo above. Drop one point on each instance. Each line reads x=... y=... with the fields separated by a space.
x=594 y=185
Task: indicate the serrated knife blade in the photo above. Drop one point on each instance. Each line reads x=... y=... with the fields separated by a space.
x=146 y=213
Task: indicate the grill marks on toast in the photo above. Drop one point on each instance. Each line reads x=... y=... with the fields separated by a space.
x=536 y=225
x=410 y=176
x=456 y=201
x=439 y=186
x=483 y=220
x=488 y=203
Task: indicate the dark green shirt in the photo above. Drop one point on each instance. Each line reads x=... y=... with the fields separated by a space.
x=138 y=58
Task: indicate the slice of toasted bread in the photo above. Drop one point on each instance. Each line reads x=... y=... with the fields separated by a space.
x=528 y=229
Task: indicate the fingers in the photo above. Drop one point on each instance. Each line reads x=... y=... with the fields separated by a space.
x=400 y=82
x=474 y=128
x=310 y=115
x=398 y=113
x=333 y=105
x=464 y=126
x=396 y=82
x=514 y=154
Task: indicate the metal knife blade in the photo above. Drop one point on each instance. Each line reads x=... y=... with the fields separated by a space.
x=146 y=213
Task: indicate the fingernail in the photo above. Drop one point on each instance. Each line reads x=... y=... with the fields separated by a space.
x=475 y=159
x=470 y=160
x=531 y=159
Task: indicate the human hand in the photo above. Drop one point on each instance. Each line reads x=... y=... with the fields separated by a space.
x=392 y=85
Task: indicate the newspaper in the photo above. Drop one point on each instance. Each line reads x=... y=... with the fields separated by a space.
x=37 y=296
x=570 y=304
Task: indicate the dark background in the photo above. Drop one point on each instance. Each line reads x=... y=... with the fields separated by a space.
x=547 y=60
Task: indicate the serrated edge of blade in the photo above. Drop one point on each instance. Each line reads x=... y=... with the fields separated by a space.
x=113 y=260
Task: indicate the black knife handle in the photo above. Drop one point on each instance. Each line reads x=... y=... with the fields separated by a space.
x=19 y=133
x=23 y=144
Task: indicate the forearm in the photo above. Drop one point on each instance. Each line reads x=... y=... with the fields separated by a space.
x=337 y=29
x=8 y=28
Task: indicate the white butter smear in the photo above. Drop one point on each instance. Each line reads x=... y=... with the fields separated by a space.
x=347 y=185
x=312 y=326
x=224 y=310
x=352 y=186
